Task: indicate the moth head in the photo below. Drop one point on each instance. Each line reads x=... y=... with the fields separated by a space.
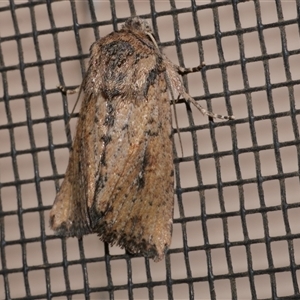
x=136 y=23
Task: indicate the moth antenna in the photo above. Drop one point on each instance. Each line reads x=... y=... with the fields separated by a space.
x=175 y=113
x=172 y=96
x=152 y=39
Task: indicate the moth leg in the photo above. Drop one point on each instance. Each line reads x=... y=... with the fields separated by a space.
x=188 y=98
x=66 y=91
x=183 y=71
x=205 y=112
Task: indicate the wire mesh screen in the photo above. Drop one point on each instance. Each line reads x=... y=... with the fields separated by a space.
x=236 y=228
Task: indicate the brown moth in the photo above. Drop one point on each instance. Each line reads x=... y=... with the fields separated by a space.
x=119 y=181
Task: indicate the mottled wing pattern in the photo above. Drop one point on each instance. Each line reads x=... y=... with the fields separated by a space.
x=120 y=172
x=135 y=187
x=134 y=194
x=69 y=215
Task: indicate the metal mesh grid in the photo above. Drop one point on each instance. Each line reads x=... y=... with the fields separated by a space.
x=236 y=230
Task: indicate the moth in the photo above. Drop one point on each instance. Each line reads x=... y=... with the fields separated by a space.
x=119 y=182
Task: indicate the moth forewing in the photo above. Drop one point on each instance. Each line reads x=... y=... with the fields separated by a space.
x=119 y=181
